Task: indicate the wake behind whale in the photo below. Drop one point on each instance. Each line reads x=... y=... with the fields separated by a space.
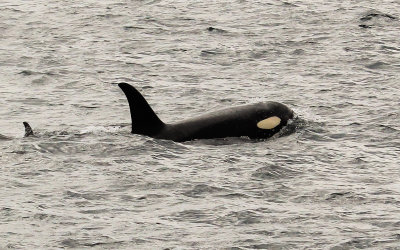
x=28 y=132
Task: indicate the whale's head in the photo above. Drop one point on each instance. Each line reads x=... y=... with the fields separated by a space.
x=271 y=118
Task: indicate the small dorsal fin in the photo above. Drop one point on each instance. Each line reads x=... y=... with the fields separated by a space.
x=28 y=129
x=144 y=120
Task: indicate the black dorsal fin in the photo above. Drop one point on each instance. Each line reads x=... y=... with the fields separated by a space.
x=144 y=120
x=28 y=129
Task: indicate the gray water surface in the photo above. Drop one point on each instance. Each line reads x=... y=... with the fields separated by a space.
x=330 y=181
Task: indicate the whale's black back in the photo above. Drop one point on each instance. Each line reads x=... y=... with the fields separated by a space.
x=230 y=122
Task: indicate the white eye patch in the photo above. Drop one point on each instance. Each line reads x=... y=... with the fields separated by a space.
x=269 y=123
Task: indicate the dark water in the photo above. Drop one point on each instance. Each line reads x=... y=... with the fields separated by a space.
x=331 y=181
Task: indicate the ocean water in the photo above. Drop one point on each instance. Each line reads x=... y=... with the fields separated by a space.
x=329 y=181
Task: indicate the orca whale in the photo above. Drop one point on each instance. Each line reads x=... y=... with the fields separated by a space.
x=28 y=129
x=260 y=120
